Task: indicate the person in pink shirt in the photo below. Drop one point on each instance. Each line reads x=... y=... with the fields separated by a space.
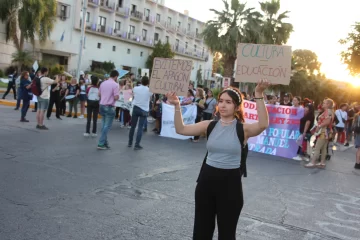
x=109 y=94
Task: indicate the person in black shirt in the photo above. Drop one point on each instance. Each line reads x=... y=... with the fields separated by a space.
x=11 y=85
x=351 y=114
x=54 y=99
x=287 y=100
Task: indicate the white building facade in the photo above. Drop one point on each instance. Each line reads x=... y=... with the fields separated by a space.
x=121 y=31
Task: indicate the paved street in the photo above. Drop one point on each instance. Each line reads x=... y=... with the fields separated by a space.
x=55 y=185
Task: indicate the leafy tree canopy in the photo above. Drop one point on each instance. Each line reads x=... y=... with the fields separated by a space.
x=351 y=56
x=160 y=50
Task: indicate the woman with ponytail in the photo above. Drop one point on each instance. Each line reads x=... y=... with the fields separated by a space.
x=218 y=194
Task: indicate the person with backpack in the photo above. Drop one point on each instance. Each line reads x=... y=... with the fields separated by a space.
x=40 y=88
x=92 y=106
x=218 y=194
x=356 y=129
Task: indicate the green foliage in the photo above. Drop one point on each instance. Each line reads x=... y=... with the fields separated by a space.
x=1 y=74
x=25 y=19
x=23 y=59
x=218 y=64
x=305 y=60
x=98 y=72
x=216 y=92
x=56 y=70
x=108 y=66
x=160 y=50
x=351 y=56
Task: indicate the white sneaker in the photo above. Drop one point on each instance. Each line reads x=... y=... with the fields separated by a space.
x=86 y=135
x=81 y=116
x=306 y=159
x=93 y=135
x=128 y=127
x=122 y=126
x=298 y=158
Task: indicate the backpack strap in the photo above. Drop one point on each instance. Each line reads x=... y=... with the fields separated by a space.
x=208 y=132
x=244 y=148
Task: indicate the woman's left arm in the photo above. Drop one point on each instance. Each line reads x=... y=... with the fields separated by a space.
x=254 y=129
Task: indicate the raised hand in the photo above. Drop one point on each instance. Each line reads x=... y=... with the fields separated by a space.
x=262 y=85
x=172 y=98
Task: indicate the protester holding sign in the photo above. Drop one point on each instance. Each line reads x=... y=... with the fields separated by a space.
x=218 y=193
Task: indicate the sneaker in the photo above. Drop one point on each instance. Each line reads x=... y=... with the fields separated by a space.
x=43 y=127
x=306 y=159
x=128 y=127
x=59 y=118
x=101 y=147
x=107 y=146
x=93 y=135
x=357 y=166
x=86 y=134
x=145 y=129
x=122 y=125
x=16 y=109
x=24 y=120
x=75 y=116
x=81 y=116
x=38 y=126
x=297 y=158
x=347 y=145
x=138 y=147
x=69 y=115
x=129 y=145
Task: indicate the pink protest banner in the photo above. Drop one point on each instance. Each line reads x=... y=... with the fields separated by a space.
x=279 y=139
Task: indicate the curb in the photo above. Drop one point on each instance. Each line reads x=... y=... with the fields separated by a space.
x=32 y=106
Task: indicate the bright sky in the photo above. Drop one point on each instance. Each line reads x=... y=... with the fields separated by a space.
x=318 y=26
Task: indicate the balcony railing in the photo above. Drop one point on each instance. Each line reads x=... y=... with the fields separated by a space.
x=134 y=37
x=107 y=4
x=170 y=27
x=181 y=30
x=198 y=35
x=121 y=10
x=96 y=2
x=137 y=14
x=150 y=19
x=190 y=34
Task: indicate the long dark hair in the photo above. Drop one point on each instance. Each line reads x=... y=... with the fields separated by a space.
x=239 y=107
x=311 y=113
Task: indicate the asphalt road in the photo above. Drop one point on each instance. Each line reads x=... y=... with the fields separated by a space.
x=55 y=185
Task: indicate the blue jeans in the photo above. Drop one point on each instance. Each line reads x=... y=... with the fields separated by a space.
x=107 y=116
x=138 y=114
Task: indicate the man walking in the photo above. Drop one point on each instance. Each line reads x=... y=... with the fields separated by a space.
x=43 y=99
x=109 y=94
x=11 y=85
x=141 y=104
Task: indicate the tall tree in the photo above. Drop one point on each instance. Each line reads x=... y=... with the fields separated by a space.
x=218 y=65
x=274 y=30
x=162 y=50
x=23 y=59
x=26 y=19
x=351 y=57
x=306 y=60
x=233 y=25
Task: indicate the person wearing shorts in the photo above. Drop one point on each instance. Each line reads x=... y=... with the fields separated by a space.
x=43 y=99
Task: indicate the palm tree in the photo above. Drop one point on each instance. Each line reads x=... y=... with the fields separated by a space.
x=233 y=25
x=26 y=19
x=22 y=59
x=274 y=30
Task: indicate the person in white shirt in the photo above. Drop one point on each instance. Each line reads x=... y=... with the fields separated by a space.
x=342 y=117
x=141 y=102
x=43 y=99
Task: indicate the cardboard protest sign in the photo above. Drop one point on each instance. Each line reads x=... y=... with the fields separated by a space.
x=170 y=75
x=226 y=82
x=279 y=139
x=257 y=61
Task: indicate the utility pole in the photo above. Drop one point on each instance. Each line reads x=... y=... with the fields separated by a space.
x=83 y=23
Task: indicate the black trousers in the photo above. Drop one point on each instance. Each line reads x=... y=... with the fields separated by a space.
x=92 y=112
x=218 y=196
x=10 y=86
x=62 y=105
x=56 y=101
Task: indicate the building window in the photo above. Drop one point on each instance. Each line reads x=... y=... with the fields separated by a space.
x=131 y=29
x=133 y=8
x=156 y=36
x=144 y=34
x=114 y=48
x=99 y=45
x=179 y=25
x=186 y=45
x=197 y=31
x=102 y=21
x=169 y=20
x=63 y=12
x=194 y=48
x=87 y=17
x=117 y=25
x=120 y=3
x=167 y=39
x=128 y=51
x=147 y=12
x=189 y=27
x=141 y=54
x=158 y=17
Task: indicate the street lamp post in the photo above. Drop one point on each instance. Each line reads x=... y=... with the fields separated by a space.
x=83 y=22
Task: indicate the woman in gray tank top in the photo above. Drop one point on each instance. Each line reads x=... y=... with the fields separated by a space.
x=218 y=194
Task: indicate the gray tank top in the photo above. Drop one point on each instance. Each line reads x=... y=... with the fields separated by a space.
x=224 y=148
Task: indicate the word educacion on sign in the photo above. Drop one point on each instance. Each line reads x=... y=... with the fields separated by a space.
x=170 y=75
x=256 y=61
x=280 y=138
